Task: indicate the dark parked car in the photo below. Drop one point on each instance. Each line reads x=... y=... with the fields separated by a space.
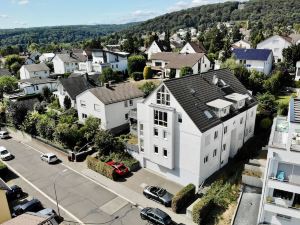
x=158 y=194
x=156 y=216
x=32 y=206
x=14 y=193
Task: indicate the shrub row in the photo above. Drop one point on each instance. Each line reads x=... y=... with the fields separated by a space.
x=123 y=157
x=183 y=197
x=137 y=76
x=2 y=166
x=101 y=167
x=201 y=208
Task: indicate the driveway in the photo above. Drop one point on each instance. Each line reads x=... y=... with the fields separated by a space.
x=83 y=200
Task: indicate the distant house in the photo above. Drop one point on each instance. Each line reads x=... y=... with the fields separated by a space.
x=40 y=70
x=111 y=103
x=276 y=43
x=192 y=47
x=73 y=86
x=156 y=47
x=67 y=62
x=241 y=44
x=32 y=58
x=255 y=59
x=168 y=61
x=46 y=57
x=36 y=85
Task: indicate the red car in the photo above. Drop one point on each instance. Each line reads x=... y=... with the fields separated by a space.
x=120 y=168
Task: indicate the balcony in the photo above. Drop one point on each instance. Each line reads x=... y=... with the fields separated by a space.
x=280 y=132
x=281 y=206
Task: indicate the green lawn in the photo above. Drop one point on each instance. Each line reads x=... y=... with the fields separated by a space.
x=284 y=98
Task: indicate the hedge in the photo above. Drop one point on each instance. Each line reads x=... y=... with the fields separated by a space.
x=183 y=197
x=137 y=76
x=201 y=208
x=126 y=158
x=2 y=166
x=101 y=167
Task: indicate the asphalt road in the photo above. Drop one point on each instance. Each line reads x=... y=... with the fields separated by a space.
x=79 y=198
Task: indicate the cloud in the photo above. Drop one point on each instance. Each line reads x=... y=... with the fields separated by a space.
x=20 y=2
x=192 y=3
x=20 y=23
x=3 y=16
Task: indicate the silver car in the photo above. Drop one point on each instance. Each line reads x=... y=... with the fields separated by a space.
x=158 y=194
x=49 y=158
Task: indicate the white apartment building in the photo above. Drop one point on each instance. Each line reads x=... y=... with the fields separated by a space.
x=111 y=103
x=280 y=202
x=189 y=127
x=40 y=70
x=67 y=62
x=36 y=85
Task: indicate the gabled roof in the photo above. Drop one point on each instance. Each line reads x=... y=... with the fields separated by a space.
x=198 y=47
x=76 y=85
x=117 y=93
x=38 y=81
x=252 y=54
x=161 y=44
x=36 y=67
x=72 y=57
x=195 y=91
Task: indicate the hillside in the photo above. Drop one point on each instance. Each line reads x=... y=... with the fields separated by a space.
x=58 y=34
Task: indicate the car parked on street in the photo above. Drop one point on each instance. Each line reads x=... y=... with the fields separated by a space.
x=47 y=212
x=49 y=158
x=14 y=193
x=156 y=216
x=158 y=194
x=4 y=134
x=119 y=168
x=31 y=206
x=4 y=154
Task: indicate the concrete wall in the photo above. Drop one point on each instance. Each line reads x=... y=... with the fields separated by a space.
x=4 y=209
x=252 y=181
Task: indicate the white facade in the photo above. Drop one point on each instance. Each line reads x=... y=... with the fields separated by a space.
x=154 y=48
x=27 y=73
x=242 y=44
x=276 y=44
x=64 y=63
x=280 y=201
x=297 y=76
x=61 y=93
x=36 y=88
x=174 y=146
x=187 y=49
x=111 y=115
x=258 y=65
x=46 y=57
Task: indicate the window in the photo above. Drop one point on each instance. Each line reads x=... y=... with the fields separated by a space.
x=179 y=118
x=131 y=102
x=222 y=162
x=216 y=135
x=84 y=116
x=283 y=217
x=142 y=145
x=163 y=96
x=165 y=152
x=224 y=110
x=158 y=64
x=207 y=140
x=126 y=104
x=117 y=66
x=126 y=116
x=155 y=149
x=82 y=103
x=97 y=108
x=241 y=120
x=205 y=159
x=283 y=194
x=155 y=131
x=37 y=87
x=160 y=118
x=165 y=135
x=225 y=130
x=224 y=147
x=215 y=153
x=112 y=66
x=141 y=129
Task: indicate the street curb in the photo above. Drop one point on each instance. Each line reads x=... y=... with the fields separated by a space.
x=238 y=205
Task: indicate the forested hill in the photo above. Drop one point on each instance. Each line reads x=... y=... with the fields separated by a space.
x=58 y=34
x=269 y=12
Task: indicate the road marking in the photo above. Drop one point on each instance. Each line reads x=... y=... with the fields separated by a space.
x=90 y=179
x=44 y=194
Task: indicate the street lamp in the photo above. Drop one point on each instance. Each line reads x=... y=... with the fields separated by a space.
x=54 y=180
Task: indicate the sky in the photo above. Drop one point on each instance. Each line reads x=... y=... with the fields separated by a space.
x=36 y=13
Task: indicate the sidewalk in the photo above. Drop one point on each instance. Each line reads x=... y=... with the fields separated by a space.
x=130 y=192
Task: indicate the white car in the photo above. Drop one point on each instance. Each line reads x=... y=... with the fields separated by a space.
x=49 y=158
x=4 y=134
x=4 y=154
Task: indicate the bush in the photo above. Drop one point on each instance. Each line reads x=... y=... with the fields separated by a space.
x=136 y=63
x=183 y=197
x=266 y=123
x=2 y=166
x=124 y=157
x=201 y=208
x=100 y=167
x=297 y=83
x=186 y=71
x=137 y=76
x=147 y=72
x=283 y=108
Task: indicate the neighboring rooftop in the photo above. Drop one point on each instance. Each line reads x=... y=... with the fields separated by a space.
x=72 y=57
x=38 y=81
x=28 y=219
x=198 y=47
x=36 y=67
x=117 y=93
x=252 y=54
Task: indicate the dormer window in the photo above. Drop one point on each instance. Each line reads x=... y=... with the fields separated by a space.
x=163 y=96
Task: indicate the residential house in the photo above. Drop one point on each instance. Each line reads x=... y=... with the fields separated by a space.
x=193 y=47
x=46 y=57
x=260 y=60
x=73 y=86
x=297 y=77
x=30 y=218
x=241 y=44
x=4 y=207
x=32 y=58
x=189 y=127
x=168 y=61
x=111 y=103
x=40 y=70
x=156 y=47
x=276 y=43
x=67 y=62
x=280 y=199
x=36 y=85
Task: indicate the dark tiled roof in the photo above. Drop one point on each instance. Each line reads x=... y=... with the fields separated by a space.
x=38 y=81
x=194 y=91
x=117 y=93
x=252 y=54
x=72 y=57
x=198 y=47
x=76 y=85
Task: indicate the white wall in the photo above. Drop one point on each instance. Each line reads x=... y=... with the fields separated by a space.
x=37 y=88
x=260 y=66
x=59 y=67
x=187 y=49
x=25 y=74
x=242 y=44
x=61 y=94
x=153 y=49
